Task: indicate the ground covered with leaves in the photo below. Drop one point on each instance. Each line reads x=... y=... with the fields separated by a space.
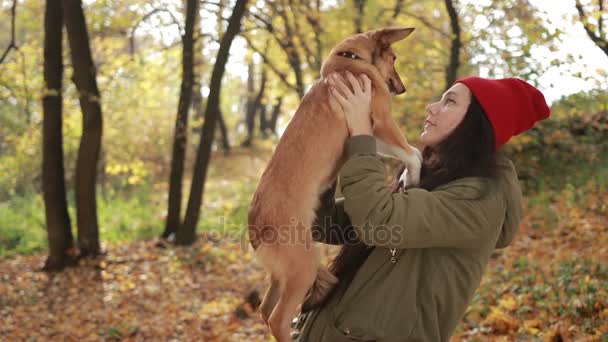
x=550 y=285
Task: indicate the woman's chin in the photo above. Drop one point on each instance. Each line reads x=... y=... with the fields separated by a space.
x=425 y=138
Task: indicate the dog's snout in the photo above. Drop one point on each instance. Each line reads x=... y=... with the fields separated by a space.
x=397 y=88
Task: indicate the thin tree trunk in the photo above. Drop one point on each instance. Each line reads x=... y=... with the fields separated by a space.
x=263 y=121
x=250 y=112
x=180 y=134
x=256 y=106
x=288 y=45
x=197 y=89
x=360 y=8
x=187 y=232
x=452 y=69
x=274 y=117
x=224 y=131
x=90 y=142
x=59 y=232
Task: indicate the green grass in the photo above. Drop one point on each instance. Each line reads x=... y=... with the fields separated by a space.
x=122 y=217
x=22 y=226
x=125 y=216
x=139 y=212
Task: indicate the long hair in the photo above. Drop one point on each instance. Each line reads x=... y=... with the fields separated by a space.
x=468 y=151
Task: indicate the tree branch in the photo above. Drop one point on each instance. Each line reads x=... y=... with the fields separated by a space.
x=307 y=51
x=12 y=44
x=600 y=19
x=143 y=19
x=266 y=60
x=601 y=43
x=426 y=23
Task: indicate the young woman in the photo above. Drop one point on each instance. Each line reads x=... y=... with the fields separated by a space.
x=413 y=256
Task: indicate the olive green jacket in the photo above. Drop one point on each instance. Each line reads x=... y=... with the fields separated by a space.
x=443 y=240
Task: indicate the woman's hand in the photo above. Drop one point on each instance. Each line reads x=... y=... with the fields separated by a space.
x=356 y=106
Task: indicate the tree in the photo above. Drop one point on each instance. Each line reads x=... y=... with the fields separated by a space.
x=360 y=13
x=452 y=69
x=254 y=104
x=283 y=23
x=180 y=133
x=197 y=94
x=12 y=44
x=595 y=30
x=59 y=231
x=186 y=234
x=274 y=116
x=90 y=142
x=501 y=35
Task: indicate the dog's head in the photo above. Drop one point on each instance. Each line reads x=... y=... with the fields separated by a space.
x=372 y=48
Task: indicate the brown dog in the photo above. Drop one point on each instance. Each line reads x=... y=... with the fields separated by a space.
x=306 y=162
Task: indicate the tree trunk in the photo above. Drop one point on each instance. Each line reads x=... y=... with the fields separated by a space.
x=263 y=121
x=224 y=131
x=452 y=69
x=288 y=45
x=257 y=104
x=255 y=107
x=187 y=233
x=360 y=8
x=59 y=232
x=90 y=141
x=276 y=110
x=197 y=60
x=251 y=110
x=180 y=133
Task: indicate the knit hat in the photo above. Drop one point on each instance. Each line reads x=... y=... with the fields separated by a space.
x=512 y=105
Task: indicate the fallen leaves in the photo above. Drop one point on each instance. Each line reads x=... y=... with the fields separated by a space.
x=136 y=292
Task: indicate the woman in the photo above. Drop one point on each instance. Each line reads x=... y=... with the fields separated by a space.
x=413 y=256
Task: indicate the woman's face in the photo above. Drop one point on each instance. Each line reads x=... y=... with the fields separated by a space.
x=445 y=114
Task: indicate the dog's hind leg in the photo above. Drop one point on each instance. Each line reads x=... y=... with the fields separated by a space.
x=270 y=299
x=292 y=295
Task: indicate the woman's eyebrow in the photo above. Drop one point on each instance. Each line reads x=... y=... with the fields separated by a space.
x=450 y=93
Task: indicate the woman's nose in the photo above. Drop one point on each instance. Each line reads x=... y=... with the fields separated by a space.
x=428 y=110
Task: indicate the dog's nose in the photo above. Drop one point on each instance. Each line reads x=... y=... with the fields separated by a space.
x=398 y=88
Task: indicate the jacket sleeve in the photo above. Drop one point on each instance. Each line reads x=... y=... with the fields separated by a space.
x=451 y=217
x=331 y=224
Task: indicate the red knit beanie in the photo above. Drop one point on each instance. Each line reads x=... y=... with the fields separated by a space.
x=512 y=105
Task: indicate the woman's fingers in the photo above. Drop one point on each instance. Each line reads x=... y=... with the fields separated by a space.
x=354 y=83
x=338 y=82
x=367 y=83
x=335 y=106
x=339 y=97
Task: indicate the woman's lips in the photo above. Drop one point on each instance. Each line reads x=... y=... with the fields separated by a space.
x=427 y=123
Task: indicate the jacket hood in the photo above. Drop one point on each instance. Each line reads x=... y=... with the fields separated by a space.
x=514 y=210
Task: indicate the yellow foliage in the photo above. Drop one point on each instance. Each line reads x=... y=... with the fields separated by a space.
x=508 y=303
x=501 y=322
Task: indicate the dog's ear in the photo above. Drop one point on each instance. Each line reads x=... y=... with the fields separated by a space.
x=391 y=35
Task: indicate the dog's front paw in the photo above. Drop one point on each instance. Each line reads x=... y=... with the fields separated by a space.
x=413 y=166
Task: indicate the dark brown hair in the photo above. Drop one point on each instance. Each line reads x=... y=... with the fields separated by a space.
x=467 y=152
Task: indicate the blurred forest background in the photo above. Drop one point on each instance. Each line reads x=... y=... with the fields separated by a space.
x=133 y=134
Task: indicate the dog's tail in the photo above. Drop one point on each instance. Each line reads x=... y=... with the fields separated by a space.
x=324 y=283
